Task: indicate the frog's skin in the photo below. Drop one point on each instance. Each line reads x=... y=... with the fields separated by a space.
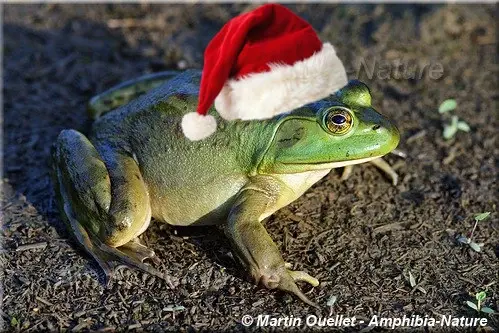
x=136 y=165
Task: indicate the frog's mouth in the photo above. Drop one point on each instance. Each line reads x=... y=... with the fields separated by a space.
x=332 y=165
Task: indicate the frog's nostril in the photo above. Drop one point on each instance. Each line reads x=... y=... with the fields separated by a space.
x=375 y=127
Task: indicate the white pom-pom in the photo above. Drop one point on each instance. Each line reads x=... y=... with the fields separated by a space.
x=197 y=127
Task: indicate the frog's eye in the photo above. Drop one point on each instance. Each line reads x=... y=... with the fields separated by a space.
x=338 y=121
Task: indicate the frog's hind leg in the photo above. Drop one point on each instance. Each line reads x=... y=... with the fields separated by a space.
x=83 y=187
x=125 y=92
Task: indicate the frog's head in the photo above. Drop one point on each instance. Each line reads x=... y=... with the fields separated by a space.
x=339 y=130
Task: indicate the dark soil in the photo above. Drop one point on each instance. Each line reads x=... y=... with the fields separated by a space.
x=360 y=237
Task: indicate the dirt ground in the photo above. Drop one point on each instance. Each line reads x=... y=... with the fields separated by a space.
x=359 y=237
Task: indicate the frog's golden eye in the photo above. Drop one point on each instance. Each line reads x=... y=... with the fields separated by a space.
x=338 y=121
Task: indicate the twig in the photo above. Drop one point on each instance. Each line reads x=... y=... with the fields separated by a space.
x=33 y=246
x=388 y=227
x=416 y=136
x=41 y=300
x=452 y=155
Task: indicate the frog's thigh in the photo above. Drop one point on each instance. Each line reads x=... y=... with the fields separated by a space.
x=130 y=211
x=84 y=191
x=112 y=205
x=82 y=179
x=86 y=195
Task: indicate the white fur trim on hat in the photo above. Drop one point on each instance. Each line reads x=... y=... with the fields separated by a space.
x=197 y=127
x=283 y=88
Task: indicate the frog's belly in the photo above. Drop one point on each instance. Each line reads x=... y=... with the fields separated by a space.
x=297 y=184
x=195 y=204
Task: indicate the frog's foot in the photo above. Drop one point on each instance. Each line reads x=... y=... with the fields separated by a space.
x=380 y=164
x=285 y=279
x=139 y=252
x=131 y=255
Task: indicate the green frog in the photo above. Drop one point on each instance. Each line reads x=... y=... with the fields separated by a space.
x=136 y=165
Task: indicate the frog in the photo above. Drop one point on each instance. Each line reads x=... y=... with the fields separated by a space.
x=135 y=165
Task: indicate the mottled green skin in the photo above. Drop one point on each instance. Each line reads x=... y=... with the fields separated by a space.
x=139 y=159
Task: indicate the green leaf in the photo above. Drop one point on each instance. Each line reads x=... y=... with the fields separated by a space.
x=447 y=105
x=472 y=305
x=331 y=300
x=463 y=126
x=449 y=131
x=475 y=247
x=482 y=216
x=480 y=296
x=487 y=310
x=412 y=280
x=13 y=322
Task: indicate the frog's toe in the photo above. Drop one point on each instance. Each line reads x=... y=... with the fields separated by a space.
x=139 y=252
x=347 y=171
x=303 y=276
x=129 y=258
x=288 y=283
x=387 y=169
x=106 y=268
x=285 y=279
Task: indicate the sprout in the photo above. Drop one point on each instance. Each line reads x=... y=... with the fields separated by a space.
x=477 y=247
x=451 y=129
x=480 y=298
x=455 y=125
x=447 y=105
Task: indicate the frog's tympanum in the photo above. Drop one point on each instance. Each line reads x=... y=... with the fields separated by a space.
x=143 y=160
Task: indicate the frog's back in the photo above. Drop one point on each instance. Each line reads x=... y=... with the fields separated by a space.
x=206 y=174
x=184 y=84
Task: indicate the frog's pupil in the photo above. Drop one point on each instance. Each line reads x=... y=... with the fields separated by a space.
x=338 y=119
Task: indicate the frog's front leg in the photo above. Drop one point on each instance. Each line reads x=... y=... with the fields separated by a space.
x=252 y=244
x=104 y=201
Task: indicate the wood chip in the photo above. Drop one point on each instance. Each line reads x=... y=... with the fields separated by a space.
x=389 y=227
x=41 y=300
x=418 y=135
x=133 y=326
x=33 y=246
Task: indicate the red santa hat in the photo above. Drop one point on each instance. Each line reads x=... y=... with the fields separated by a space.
x=260 y=64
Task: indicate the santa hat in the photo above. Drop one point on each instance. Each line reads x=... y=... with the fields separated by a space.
x=263 y=63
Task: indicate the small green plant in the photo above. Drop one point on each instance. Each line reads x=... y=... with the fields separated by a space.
x=450 y=129
x=447 y=106
x=469 y=240
x=480 y=298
